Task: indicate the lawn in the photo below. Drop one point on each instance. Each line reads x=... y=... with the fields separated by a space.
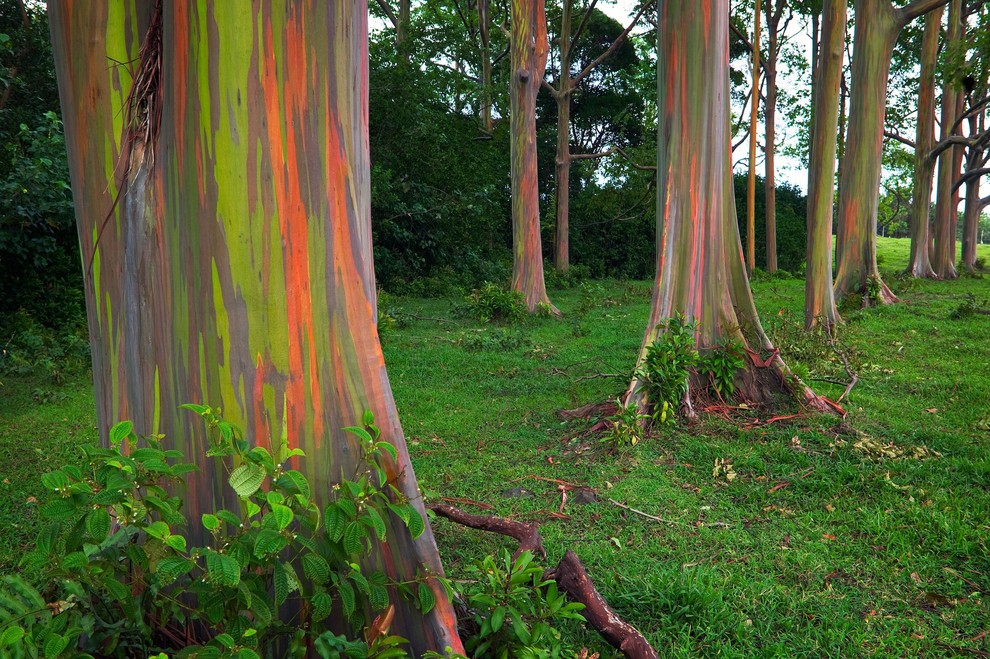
x=863 y=536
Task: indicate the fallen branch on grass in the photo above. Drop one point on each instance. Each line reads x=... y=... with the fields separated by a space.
x=570 y=576
x=573 y=579
x=646 y=515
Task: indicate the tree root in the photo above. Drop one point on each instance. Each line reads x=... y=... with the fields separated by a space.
x=570 y=576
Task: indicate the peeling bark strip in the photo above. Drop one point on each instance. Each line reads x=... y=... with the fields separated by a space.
x=529 y=50
x=700 y=270
x=237 y=268
x=569 y=574
x=573 y=579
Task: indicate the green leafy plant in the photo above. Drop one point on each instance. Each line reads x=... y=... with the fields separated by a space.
x=516 y=609
x=665 y=368
x=492 y=303
x=971 y=306
x=118 y=578
x=721 y=364
x=626 y=425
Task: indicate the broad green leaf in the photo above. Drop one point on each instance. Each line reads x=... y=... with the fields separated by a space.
x=322 y=604
x=361 y=434
x=416 y=524
x=210 y=522
x=353 y=535
x=193 y=407
x=283 y=514
x=158 y=530
x=316 y=568
x=119 y=591
x=246 y=479
x=378 y=523
x=498 y=616
x=229 y=517
x=281 y=581
x=58 y=509
x=55 y=480
x=335 y=523
x=225 y=640
x=75 y=561
x=347 y=598
x=268 y=542
x=176 y=542
x=427 y=600
x=222 y=569
x=14 y=634
x=171 y=568
x=120 y=432
x=98 y=524
x=385 y=447
x=55 y=645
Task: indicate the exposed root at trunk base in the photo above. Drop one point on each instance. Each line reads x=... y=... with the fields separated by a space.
x=570 y=576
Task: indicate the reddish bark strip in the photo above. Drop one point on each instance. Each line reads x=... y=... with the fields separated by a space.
x=949 y=164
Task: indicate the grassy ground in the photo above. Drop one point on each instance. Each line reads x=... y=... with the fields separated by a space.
x=815 y=548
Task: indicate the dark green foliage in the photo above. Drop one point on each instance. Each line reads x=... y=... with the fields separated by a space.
x=494 y=303
x=114 y=561
x=792 y=219
x=665 y=370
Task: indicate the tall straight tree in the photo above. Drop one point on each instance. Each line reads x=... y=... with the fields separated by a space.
x=224 y=221
x=878 y=23
x=919 y=264
x=775 y=31
x=529 y=50
x=700 y=271
x=753 y=119
x=949 y=160
x=819 y=302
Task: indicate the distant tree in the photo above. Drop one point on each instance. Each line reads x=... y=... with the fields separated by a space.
x=529 y=50
x=225 y=233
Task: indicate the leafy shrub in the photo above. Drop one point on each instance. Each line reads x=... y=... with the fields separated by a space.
x=625 y=427
x=515 y=609
x=495 y=339
x=118 y=575
x=721 y=365
x=971 y=306
x=495 y=303
x=665 y=367
x=574 y=276
x=30 y=347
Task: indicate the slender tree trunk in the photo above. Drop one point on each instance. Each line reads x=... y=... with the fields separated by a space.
x=877 y=27
x=924 y=166
x=949 y=161
x=840 y=153
x=235 y=267
x=774 y=12
x=815 y=59
x=402 y=30
x=484 y=19
x=700 y=268
x=971 y=220
x=754 y=114
x=562 y=177
x=529 y=51
x=819 y=302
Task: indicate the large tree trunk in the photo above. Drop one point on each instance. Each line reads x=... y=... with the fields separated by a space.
x=949 y=162
x=924 y=166
x=700 y=269
x=529 y=51
x=819 y=302
x=876 y=31
x=753 y=116
x=562 y=177
x=235 y=268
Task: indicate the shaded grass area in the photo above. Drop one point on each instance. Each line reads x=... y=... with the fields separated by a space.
x=815 y=548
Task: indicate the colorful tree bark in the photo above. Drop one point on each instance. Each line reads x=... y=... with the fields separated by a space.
x=774 y=14
x=700 y=269
x=228 y=249
x=924 y=167
x=877 y=25
x=949 y=164
x=529 y=50
x=819 y=302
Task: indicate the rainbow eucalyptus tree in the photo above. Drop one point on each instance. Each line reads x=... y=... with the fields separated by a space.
x=919 y=264
x=878 y=23
x=819 y=302
x=949 y=160
x=529 y=50
x=700 y=271
x=224 y=221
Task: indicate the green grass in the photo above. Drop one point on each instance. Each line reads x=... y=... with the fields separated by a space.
x=815 y=549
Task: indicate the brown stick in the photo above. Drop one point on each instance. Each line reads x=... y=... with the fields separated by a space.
x=526 y=533
x=572 y=578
